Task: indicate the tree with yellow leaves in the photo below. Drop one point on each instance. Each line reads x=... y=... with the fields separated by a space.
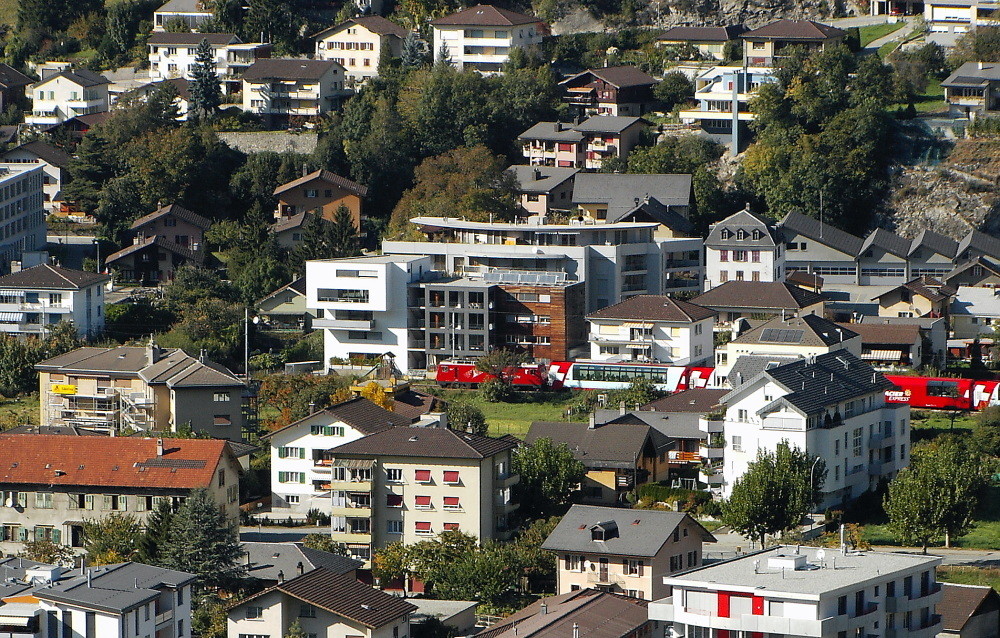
x=375 y=393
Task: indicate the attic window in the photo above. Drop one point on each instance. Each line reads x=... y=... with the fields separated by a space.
x=757 y=234
x=725 y=234
x=741 y=235
x=604 y=531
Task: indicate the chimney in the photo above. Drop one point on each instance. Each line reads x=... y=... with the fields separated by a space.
x=536 y=174
x=281 y=576
x=305 y=169
x=248 y=559
x=979 y=65
x=300 y=568
x=159 y=447
x=576 y=630
x=203 y=355
x=593 y=421
x=544 y=609
x=89 y=578
x=621 y=408
x=153 y=352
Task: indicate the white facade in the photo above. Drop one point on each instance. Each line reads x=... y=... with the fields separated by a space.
x=743 y=247
x=677 y=343
x=805 y=592
x=22 y=212
x=483 y=47
x=361 y=305
x=52 y=178
x=290 y=95
x=37 y=310
x=170 y=59
x=358 y=48
x=64 y=96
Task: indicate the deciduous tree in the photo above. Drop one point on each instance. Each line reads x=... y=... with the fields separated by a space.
x=549 y=474
x=112 y=539
x=466 y=417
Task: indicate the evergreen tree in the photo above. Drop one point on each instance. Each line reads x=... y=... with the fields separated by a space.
x=90 y=169
x=317 y=240
x=444 y=54
x=206 y=95
x=344 y=234
x=201 y=540
x=413 y=51
x=153 y=540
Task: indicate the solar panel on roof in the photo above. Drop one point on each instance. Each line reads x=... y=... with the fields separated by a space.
x=780 y=335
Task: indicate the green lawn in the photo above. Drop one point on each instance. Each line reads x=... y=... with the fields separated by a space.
x=968 y=575
x=932 y=99
x=928 y=424
x=872 y=32
x=516 y=417
x=18 y=411
x=985 y=532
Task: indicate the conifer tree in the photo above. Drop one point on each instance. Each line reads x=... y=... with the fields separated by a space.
x=206 y=95
x=344 y=234
x=413 y=51
x=201 y=540
x=153 y=541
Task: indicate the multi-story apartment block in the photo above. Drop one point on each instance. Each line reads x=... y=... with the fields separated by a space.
x=624 y=551
x=612 y=90
x=709 y=42
x=22 y=209
x=543 y=188
x=723 y=94
x=62 y=95
x=481 y=37
x=805 y=591
x=110 y=601
x=832 y=407
x=281 y=89
x=300 y=458
x=191 y=13
x=54 y=163
x=584 y=144
x=358 y=45
x=653 y=328
x=744 y=247
x=947 y=20
x=766 y=46
x=35 y=299
x=173 y=55
x=54 y=482
x=141 y=388
x=409 y=484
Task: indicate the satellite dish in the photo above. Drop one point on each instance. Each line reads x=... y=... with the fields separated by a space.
x=820 y=554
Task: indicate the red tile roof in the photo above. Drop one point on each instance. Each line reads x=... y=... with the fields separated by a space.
x=326 y=176
x=48 y=459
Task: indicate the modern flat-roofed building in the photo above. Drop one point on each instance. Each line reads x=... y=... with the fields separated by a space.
x=724 y=95
x=190 y=13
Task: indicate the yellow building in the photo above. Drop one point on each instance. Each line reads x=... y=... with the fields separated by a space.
x=922 y=297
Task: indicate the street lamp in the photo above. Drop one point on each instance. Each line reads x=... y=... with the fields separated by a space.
x=812 y=486
x=97 y=244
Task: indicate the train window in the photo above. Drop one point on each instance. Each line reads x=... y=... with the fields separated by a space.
x=942 y=388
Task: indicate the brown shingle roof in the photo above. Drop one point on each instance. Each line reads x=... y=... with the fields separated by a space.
x=920 y=286
x=375 y=24
x=487 y=16
x=702 y=34
x=45 y=459
x=326 y=176
x=11 y=78
x=618 y=76
x=413 y=405
x=345 y=596
x=45 y=152
x=287 y=69
x=427 y=442
x=594 y=614
x=794 y=30
x=959 y=603
x=880 y=333
x=46 y=276
x=654 y=308
x=177 y=211
x=758 y=294
x=162 y=242
x=190 y=39
x=611 y=445
x=359 y=413
x=700 y=400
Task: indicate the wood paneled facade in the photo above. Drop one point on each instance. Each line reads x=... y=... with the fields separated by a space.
x=545 y=322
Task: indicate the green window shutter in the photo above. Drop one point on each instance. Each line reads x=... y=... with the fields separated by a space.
x=56 y=535
x=302 y=453
x=302 y=477
x=89 y=501
x=123 y=502
x=107 y=502
x=39 y=533
x=22 y=534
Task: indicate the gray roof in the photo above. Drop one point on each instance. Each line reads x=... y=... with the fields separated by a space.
x=540 y=179
x=620 y=192
x=749 y=572
x=824 y=233
x=174 y=367
x=653 y=308
x=81 y=77
x=443 y=610
x=359 y=413
x=981 y=243
x=184 y=6
x=163 y=38
x=640 y=532
x=266 y=560
x=588 y=612
x=768 y=234
x=608 y=445
x=288 y=69
x=817 y=382
x=810 y=330
x=554 y=131
x=622 y=76
x=677 y=425
x=973 y=74
x=426 y=443
x=45 y=152
x=747 y=367
x=114 y=588
x=887 y=241
x=49 y=277
x=608 y=123
x=652 y=210
x=979 y=260
x=765 y=295
x=976 y=302
x=938 y=243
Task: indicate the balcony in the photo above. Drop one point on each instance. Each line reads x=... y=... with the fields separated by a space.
x=662 y=609
x=684 y=457
x=358 y=536
x=349 y=486
x=344 y=324
x=352 y=510
x=875 y=469
x=601 y=578
x=904 y=603
x=164 y=616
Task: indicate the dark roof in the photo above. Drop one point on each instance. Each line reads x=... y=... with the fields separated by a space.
x=803 y=278
x=61 y=430
x=181 y=85
x=640 y=532
x=794 y=30
x=815 y=383
x=921 y=286
x=427 y=442
x=609 y=445
x=959 y=603
x=173 y=367
x=298 y=220
x=749 y=366
x=938 y=243
x=162 y=242
x=288 y=69
x=343 y=595
x=359 y=413
x=617 y=76
x=326 y=176
x=82 y=77
x=810 y=330
x=608 y=123
x=747 y=222
x=698 y=400
x=297 y=286
x=654 y=308
x=880 y=333
x=769 y=295
x=46 y=276
x=824 y=233
x=185 y=6
x=177 y=211
x=887 y=241
x=979 y=260
x=620 y=192
x=702 y=34
x=651 y=209
x=540 y=179
x=11 y=78
x=980 y=242
x=413 y=405
x=265 y=560
x=190 y=39
x=375 y=24
x=45 y=152
x=594 y=614
x=556 y=131
x=115 y=588
x=485 y=15
x=975 y=74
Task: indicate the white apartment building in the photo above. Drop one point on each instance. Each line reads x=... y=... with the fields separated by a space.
x=22 y=211
x=723 y=94
x=482 y=36
x=653 y=328
x=831 y=406
x=173 y=55
x=34 y=300
x=805 y=592
x=361 y=305
x=54 y=162
x=358 y=44
x=60 y=96
x=301 y=465
x=743 y=247
x=281 y=88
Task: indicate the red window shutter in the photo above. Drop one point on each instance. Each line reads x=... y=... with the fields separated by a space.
x=423 y=475
x=451 y=500
x=450 y=476
x=723 y=633
x=423 y=526
x=758 y=605
x=451 y=526
x=723 y=604
x=641 y=565
x=756 y=634
x=423 y=500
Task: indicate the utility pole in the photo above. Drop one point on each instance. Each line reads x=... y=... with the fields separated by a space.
x=246 y=342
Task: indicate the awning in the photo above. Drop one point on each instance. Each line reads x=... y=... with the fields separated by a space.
x=354 y=464
x=73 y=523
x=11 y=317
x=15 y=621
x=882 y=355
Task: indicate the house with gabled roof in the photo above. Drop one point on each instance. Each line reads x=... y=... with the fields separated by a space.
x=769 y=44
x=583 y=144
x=624 y=551
x=272 y=562
x=12 y=85
x=744 y=247
x=968 y=611
x=975 y=312
x=482 y=36
x=543 y=188
x=289 y=90
x=920 y=297
x=931 y=254
x=652 y=328
x=978 y=244
x=709 y=42
x=321 y=192
x=882 y=259
x=60 y=96
x=611 y=90
x=613 y=197
x=889 y=346
x=163 y=241
x=818 y=248
x=285 y=308
x=325 y=603
x=34 y=300
x=736 y=299
x=589 y=612
x=55 y=166
x=358 y=44
x=978 y=271
x=55 y=482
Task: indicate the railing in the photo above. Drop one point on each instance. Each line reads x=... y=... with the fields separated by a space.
x=605 y=578
x=164 y=616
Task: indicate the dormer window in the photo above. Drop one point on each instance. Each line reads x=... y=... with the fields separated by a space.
x=757 y=234
x=604 y=531
x=741 y=235
x=726 y=233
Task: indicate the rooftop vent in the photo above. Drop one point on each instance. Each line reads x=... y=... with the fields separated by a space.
x=787 y=561
x=43 y=574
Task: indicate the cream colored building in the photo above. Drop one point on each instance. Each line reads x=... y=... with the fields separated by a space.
x=285 y=87
x=358 y=45
x=652 y=328
x=61 y=95
x=409 y=484
x=624 y=551
x=141 y=388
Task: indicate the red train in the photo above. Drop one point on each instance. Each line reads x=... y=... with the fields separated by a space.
x=919 y=392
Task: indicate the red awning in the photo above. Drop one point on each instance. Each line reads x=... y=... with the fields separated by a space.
x=451 y=500
x=423 y=475
x=423 y=526
x=423 y=500
x=450 y=476
x=451 y=526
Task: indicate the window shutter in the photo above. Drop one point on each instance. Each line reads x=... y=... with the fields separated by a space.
x=107 y=501
x=641 y=565
x=56 y=535
x=88 y=501
x=123 y=502
x=22 y=499
x=22 y=534
x=39 y=533
x=281 y=452
x=566 y=558
x=302 y=453
x=302 y=477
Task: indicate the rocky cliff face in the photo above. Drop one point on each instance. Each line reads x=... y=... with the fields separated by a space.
x=752 y=13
